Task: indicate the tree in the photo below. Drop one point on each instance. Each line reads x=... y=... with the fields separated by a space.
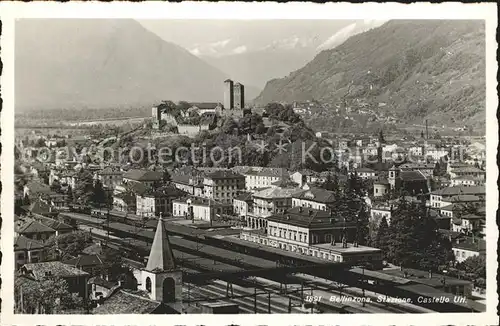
x=99 y=196
x=382 y=237
x=48 y=296
x=331 y=184
x=415 y=240
x=26 y=200
x=69 y=195
x=67 y=245
x=84 y=187
x=229 y=126
x=166 y=176
x=475 y=265
x=56 y=186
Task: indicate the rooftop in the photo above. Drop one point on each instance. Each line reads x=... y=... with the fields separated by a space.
x=244 y=196
x=224 y=174
x=206 y=105
x=309 y=217
x=317 y=194
x=101 y=282
x=434 y=280
x=351 y=249
x=412 y=176
x=460 y=190
x=33 y=226
x=23 y=243
x=143 y=175
x=39 y=271
x=469 y=243
x=125 y=302
x=275 y=192
x=468 y=169
x=85 y=261
x=161 y=256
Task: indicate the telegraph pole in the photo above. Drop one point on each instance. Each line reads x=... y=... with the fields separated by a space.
x=255 y=300
x=269 y=302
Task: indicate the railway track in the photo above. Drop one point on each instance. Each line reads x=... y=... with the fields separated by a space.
x=191 y=248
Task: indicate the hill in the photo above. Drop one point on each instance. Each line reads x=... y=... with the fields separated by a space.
x=104 y=63
x=415 y=69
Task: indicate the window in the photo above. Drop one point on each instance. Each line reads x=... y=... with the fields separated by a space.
x=20 y=256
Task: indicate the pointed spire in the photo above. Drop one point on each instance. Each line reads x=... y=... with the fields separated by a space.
x=161 y=256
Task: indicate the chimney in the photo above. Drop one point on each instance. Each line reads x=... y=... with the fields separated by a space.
x=458 y=241
x=311 y=212
x=288 y=217
x=430 y=273
x=300 y=209
x=120 y=283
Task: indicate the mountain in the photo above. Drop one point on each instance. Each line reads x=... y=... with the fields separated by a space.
x=254 y=51
x=256 y=68
x=104 y=63
x=422 y=69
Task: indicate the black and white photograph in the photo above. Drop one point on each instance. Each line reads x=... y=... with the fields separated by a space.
x=201 y=165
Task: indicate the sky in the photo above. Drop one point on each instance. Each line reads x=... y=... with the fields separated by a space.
x=223 y=37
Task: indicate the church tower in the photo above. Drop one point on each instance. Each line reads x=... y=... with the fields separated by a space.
x=161 y=278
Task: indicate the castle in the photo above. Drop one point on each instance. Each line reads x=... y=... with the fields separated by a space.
x=203 y=116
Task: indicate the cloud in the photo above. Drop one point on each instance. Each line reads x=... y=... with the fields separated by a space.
x=350 y=30
x=239 y=50
x=220 y=44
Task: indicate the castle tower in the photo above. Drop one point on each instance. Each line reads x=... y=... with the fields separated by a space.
x=156 y=115
x=228 y=94
x=239 y=96
x=161 y=278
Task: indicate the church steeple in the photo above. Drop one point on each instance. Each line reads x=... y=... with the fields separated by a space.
x=161 y=257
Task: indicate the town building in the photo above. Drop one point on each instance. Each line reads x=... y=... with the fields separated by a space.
x=469 y=171
x=191 y=184
x=440 y=197
x=366 y=173
x=410 y=182
x=243 y=204
x=74 y=277
x=27 y=251
x=377 y=212
x=272 y=200
x=467 y=181
x=109 y=177
x=92 y=264
x=35 y=230
x=199 y=208
x=153 y=203
x=427 y=169
x=145 y=177
x=381 y=187
x=467 y=247
x=313 y=197
x=262 y=177
x=223 y=185
x=313 y=232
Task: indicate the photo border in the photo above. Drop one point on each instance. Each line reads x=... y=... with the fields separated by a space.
x=204 y=10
